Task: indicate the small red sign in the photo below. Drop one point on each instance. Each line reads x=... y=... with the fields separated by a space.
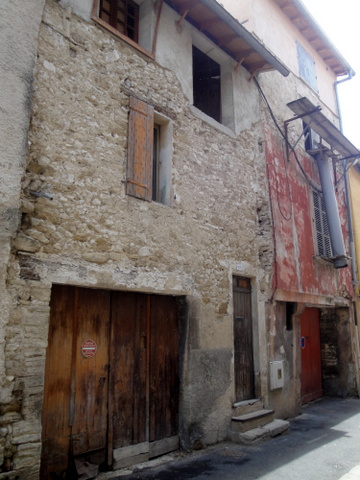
x=88 y=348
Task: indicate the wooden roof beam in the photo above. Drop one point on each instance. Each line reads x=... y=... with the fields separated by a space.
x=181 y=19
x=245 y=53
x=226 y=39
x=256 y=67
x=208 y=23
x=187 y=5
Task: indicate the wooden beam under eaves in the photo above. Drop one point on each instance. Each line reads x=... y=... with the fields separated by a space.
x=188 y=5
x=295 y=17
x=208 y=23
x=245 y=53
x=257 y=67
x=312 y=39
x=181 y=19
x=226 y=39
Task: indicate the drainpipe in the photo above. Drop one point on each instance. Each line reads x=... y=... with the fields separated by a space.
x=332 y=211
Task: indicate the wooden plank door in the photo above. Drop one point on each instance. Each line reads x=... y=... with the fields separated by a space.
x=121 y=400
x=89 y=392
x=144 y=377
x=311 y=375
x=243 y=340
x=164 y=376
x=129 y=369
x=74 y=415
x=55 y=413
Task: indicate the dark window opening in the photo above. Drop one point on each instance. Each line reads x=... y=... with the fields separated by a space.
x=206 y=84
x=321 y=226
x=123 y=15
x=312 y=139
x=156 y=165
x=290 y=311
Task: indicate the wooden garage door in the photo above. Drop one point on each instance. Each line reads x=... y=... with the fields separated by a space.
x=111 y=383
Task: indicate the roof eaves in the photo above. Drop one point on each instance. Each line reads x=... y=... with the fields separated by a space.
x=242 y=32
x=269 y=60
x=346 y=68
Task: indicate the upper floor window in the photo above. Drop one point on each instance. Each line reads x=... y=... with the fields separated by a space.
x=132 y=21
x=323 y=242
x=207 y=84
x=306 y=66
x=149 y=153
x=123 y=15
x=212 y=83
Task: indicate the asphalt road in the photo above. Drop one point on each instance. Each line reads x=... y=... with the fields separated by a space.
x=323 y=443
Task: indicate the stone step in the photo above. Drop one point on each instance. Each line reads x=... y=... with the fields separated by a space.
x=247 y=406
x=243 y=423
x=260 y=434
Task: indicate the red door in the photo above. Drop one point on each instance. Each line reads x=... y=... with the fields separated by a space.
x=311 y=381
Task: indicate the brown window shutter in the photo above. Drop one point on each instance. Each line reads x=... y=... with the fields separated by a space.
x=140 y=150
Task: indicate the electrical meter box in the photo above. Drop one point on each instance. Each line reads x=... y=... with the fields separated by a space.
x=276 y=375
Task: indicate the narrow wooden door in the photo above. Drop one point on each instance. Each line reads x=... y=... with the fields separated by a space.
x=311 y=378
x=74 y=415
x=243 y=340
x=129 y=369
x=90 y=364
x=56 y=413
x=145 y=376
x=164 y=376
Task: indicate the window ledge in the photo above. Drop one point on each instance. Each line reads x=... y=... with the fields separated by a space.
x=219 y=126
x=126 y=39
x=323 y=260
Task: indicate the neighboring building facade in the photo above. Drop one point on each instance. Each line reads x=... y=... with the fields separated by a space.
x=310 y=316
x=158 y=260
x=354 y=191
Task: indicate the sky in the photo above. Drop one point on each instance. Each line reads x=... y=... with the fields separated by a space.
x=340 y=20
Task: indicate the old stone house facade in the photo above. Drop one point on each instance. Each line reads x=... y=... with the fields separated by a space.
x=147 y=228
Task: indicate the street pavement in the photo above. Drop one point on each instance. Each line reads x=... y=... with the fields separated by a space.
x=323 y=443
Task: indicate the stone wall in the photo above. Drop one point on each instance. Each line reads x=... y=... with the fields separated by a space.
x=79 y=227
x=18 y=40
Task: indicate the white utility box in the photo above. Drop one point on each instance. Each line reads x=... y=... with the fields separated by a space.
x=276 y=375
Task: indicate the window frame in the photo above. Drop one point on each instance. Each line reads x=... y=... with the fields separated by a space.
x=322 y=238
x=227 y=106
x=146 y=156
x=207 y=84
x=307 y=67
x=113 y=18
x=96 y=18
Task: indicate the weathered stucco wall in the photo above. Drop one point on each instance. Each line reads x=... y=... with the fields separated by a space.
x=280 y=35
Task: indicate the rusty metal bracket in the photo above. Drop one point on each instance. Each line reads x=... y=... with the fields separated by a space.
x=286 y=123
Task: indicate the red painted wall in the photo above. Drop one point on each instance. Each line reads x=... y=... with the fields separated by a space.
x=295 y=270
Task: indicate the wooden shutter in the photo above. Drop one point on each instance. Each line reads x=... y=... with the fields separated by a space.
x=321 y=225
x=140 y=150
